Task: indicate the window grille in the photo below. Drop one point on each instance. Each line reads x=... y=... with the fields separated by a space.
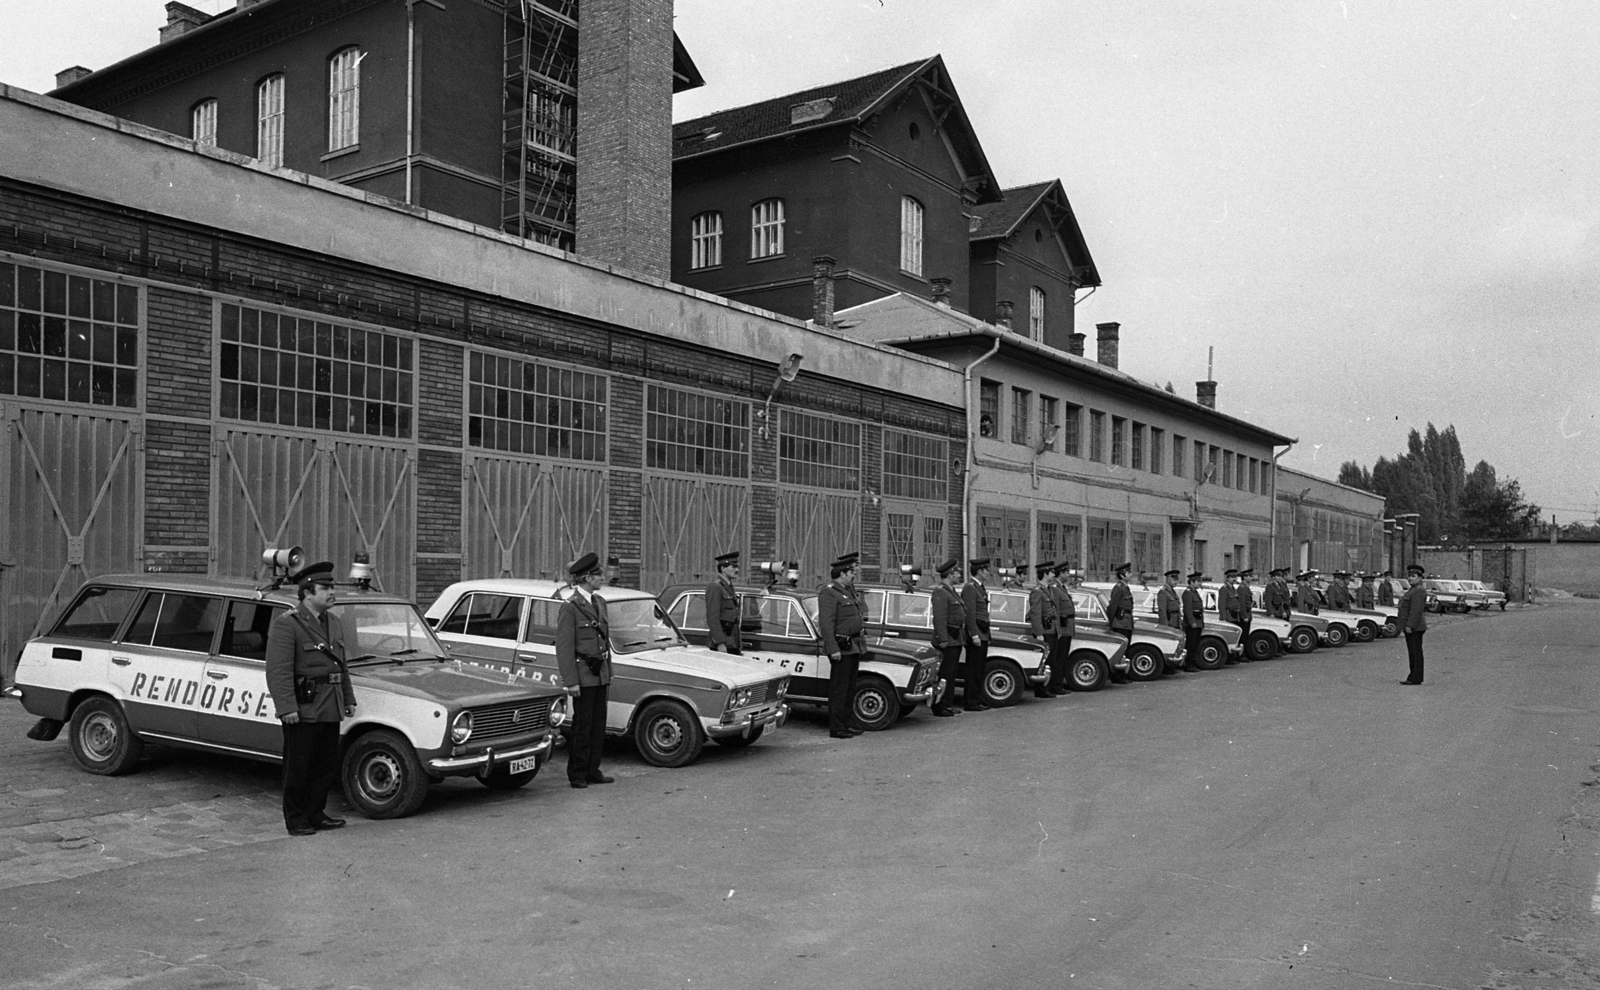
x=910 y=236
x=915 y=466
x=203 y=123
x=818 y=452
x=697 y=433
x=269 y=121
x=528 y=407
x=766 y=228
x=68 y=337
x=932 y=541
x=900 y=538
x=344 y=99
x=705 y=240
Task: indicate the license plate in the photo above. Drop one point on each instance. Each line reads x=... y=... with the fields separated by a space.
x=525 y=764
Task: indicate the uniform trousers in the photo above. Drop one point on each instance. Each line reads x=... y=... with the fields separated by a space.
x=1060 y=650
x=1191 y=645
x=841 y=692
x=588 y=739
x=949 y=663
x=1414 y=654
x=310 y=768
x=977 y=660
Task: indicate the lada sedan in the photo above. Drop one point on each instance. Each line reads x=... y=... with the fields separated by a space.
x=666 y=694
x=779 y=631
x=1490 y=596
x=1008 y=611
x=1218 y=640
x=1268 y=636
x=895 y=614
x=1327 y=633
x=174 y=659
x=1449 y=596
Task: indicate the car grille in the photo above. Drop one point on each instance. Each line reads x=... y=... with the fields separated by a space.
x=761 y=694
x=513 y=719
x=929 y=676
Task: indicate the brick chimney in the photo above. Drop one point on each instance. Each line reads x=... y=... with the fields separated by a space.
x=181 y=19
x=1075 y=344
x=1107 y=338
x=1002 y=314
x=624 y=210
x=822 y=289
x=941 y=291
x=1206 y=394
x=72 y=75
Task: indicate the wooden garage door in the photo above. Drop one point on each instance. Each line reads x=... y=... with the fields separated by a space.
x=329 y=495
x=687 y=522
x=72 y=509
x=816 y=527
x=527 y=519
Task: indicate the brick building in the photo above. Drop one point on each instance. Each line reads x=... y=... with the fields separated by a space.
x=1028 y=251
x=201 y=356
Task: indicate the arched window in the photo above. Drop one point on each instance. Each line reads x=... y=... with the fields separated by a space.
x=344 y=99
x=1036 y=313
x=910 y=235
x=705 y=240
x=203 y=123
x=766 y=229
x=269 y=121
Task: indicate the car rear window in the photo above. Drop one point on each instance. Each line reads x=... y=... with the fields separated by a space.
x=97 y=614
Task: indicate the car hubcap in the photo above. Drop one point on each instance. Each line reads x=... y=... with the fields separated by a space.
x=870 y=706
x=666 y=734
x=99 y=737
x=1000 y=685
x=380 y=776
x=1143 y=664
x=1085 y=674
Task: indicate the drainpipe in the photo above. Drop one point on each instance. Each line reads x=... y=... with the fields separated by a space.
x=967 y=507
x=411 y=89
x=1272 y=508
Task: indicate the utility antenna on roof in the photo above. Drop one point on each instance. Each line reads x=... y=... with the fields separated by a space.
x=1210 y=353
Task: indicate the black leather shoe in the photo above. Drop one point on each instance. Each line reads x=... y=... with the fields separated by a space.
x=578 y=783
x=302 y=830
x=327 y=823
x=1410 y=683
x=855 y=731
x=600 y=779
x=944 y=712
x=841 y=735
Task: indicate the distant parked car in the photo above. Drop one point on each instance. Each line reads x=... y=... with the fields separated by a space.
x=1447 y=595
x=1153 y=652
x=1097 y=656
x=1014 y=663
x=1218 y=640
x=1491 y=597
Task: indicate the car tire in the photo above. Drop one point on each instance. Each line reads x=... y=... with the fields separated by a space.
x=875 y=704
x=1145 y=662
x=1338 y=635
x=741 y=741
x=667 y=734
x=502 y=779
x=382 y=776
x=1087 y=670
x=102 y=740
x=1302 y=639
x=1212 y=655
x=1002 y=683
x=1366 y=632
x=1391 y=628
x=1261 y=645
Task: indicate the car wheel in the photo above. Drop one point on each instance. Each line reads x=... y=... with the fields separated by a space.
x=1261 y=645
x=667 y=734
x=1302 y=639
x=1002 y=683
x=1391 y=628
x=741 y=741
x=1145 y=662
x=502 y=779
x=876 y=704
x=102 y=740
x=383 y=777
x=1213 y=653
x=1337 y=635
x=1366 y=632
x=1087 y=670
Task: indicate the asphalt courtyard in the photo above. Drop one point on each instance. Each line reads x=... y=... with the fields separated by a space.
x=1304 y=822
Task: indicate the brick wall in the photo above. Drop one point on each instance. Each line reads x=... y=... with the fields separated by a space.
x=178 y=343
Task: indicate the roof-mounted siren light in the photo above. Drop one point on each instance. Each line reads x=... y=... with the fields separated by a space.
x=909 y=575
x=773 y=569
x=361 y=570
x=792 y=574
x=282 y=563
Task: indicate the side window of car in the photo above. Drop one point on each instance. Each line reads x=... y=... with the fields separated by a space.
x=485 y=614
x=915 y=611
x=689 y=612
x=873 y=600
x=542 y=616
x=1007 y=607
x=244 y=634
x=176 y=622
x=97 y=614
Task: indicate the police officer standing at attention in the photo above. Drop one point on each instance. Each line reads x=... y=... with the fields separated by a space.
x=1168 y=612
x=1066 y=627
x=1247 y=603
x=975 y=597
x=1305 y=595
x=1413 y=620
x=311 y=693
x=722 y=606
x=1119 y=609
x=1278 y=597
x=1386 y=590
x=1339 y=592
x=1230 y=603
x=1194 y=619
x=1044 y=622
x=949 y=623
x=583 y=652
x=1364 y=594
x=841 y=619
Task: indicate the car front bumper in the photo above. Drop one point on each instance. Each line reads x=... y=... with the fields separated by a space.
x=1039 y=676
x=747 y=723
x=482 y=764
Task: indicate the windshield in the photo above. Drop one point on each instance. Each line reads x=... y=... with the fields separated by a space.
x=640 y=624
x=809 y=603
x=387 y=630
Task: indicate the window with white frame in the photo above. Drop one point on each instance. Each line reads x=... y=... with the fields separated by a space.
x=910 y=235
x=1021 y=415
x=269 y=121
x=818 y=451
x=696 y=433
x=344 y=99
x=705 y=240
x=203 y=123
x=766 y=229
x=1036 y=313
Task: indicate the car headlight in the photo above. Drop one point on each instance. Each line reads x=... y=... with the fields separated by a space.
x=560 y=712
x=461 y=728
x=783 y=687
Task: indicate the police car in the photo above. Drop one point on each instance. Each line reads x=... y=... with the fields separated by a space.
x=1218 y=640
x=1151 y=653
x=665 y=694
x=181 y=660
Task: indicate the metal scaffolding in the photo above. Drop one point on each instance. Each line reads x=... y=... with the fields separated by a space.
x=538 y=173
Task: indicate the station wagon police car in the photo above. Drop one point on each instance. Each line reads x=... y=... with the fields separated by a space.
x=667 y=695
x=179 y=659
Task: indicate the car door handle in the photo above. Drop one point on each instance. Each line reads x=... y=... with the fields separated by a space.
x=217 y=675
x=121 y=661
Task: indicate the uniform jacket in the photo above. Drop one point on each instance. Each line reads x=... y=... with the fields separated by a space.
x=1120 y=608
x=949 y=617
x=1385 y=593
x=1043 y=616
x=1305 y=598
x=1338 y=596
x=293 y=653
x=722 y=614
x=1066 y=610
x=840 y=615
x=1364 y=596
x=1247 y=601
x=976 y=598
x=583 y=631
x=1168 y=611
x=1228 y=605
x=1194 y=616
x=1413 y=615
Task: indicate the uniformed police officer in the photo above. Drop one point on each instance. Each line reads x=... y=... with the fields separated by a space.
x=1366 y=596
x=1044 y=622
x=1385 y=589
x=1066 y=626
x=949 y=625
x=1231 y=604
x=975 y=598
x=841 y=619
x=1247 y=602
x=1194 y=618
x=583 y=652
x=722 y=606
x=1167 y=609
x=1413 y=620
x=1305 y=595
x=311 y=694
x=1338 y=592
x=1278 y=597
x=1119 y=606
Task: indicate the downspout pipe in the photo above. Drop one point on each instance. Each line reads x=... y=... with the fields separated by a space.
x=1272 y=509
x=967 y=507
x=411 y=89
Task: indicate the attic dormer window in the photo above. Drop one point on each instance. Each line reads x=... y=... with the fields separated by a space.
x=810 y=111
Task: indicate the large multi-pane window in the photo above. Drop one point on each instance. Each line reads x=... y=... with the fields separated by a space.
x=269 y=121
x=528 y=407
x=900 y=539
x=705 y=240
x=1179 y=447
x=1049 y=421
x=915 y=466
x=818 y=451
x=203 y=123
x=1021 y=414
x=1145 y=551
x=68 y=337
x=299 y=371
x=697 y=433
x=1107 y=543
x=1137 y=460
x=1158 y=437
x=344 y=99
x=1058 y=539
x=766 y=229
x=988 y=408
x=933 y=550
x=910 y=235
x=1072 y=431
x=1036 y=313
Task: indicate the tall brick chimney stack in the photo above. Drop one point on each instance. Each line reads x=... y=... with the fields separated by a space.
x=1107 y=338
x=1002 y=314
x=624 y=211
x=1075 y=344
x=71 y=75
x=941 y=291
x=822 y=289
x=1206 y=394
x=181 y=19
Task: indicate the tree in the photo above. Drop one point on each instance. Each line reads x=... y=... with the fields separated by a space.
x=1354 y=475
x=1491 y=510
x=1431 y=479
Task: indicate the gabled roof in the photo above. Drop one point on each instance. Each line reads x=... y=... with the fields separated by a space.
x=850 y=102
x=1000 y=220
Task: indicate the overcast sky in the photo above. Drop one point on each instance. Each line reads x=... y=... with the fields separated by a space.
x=1379 y=214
